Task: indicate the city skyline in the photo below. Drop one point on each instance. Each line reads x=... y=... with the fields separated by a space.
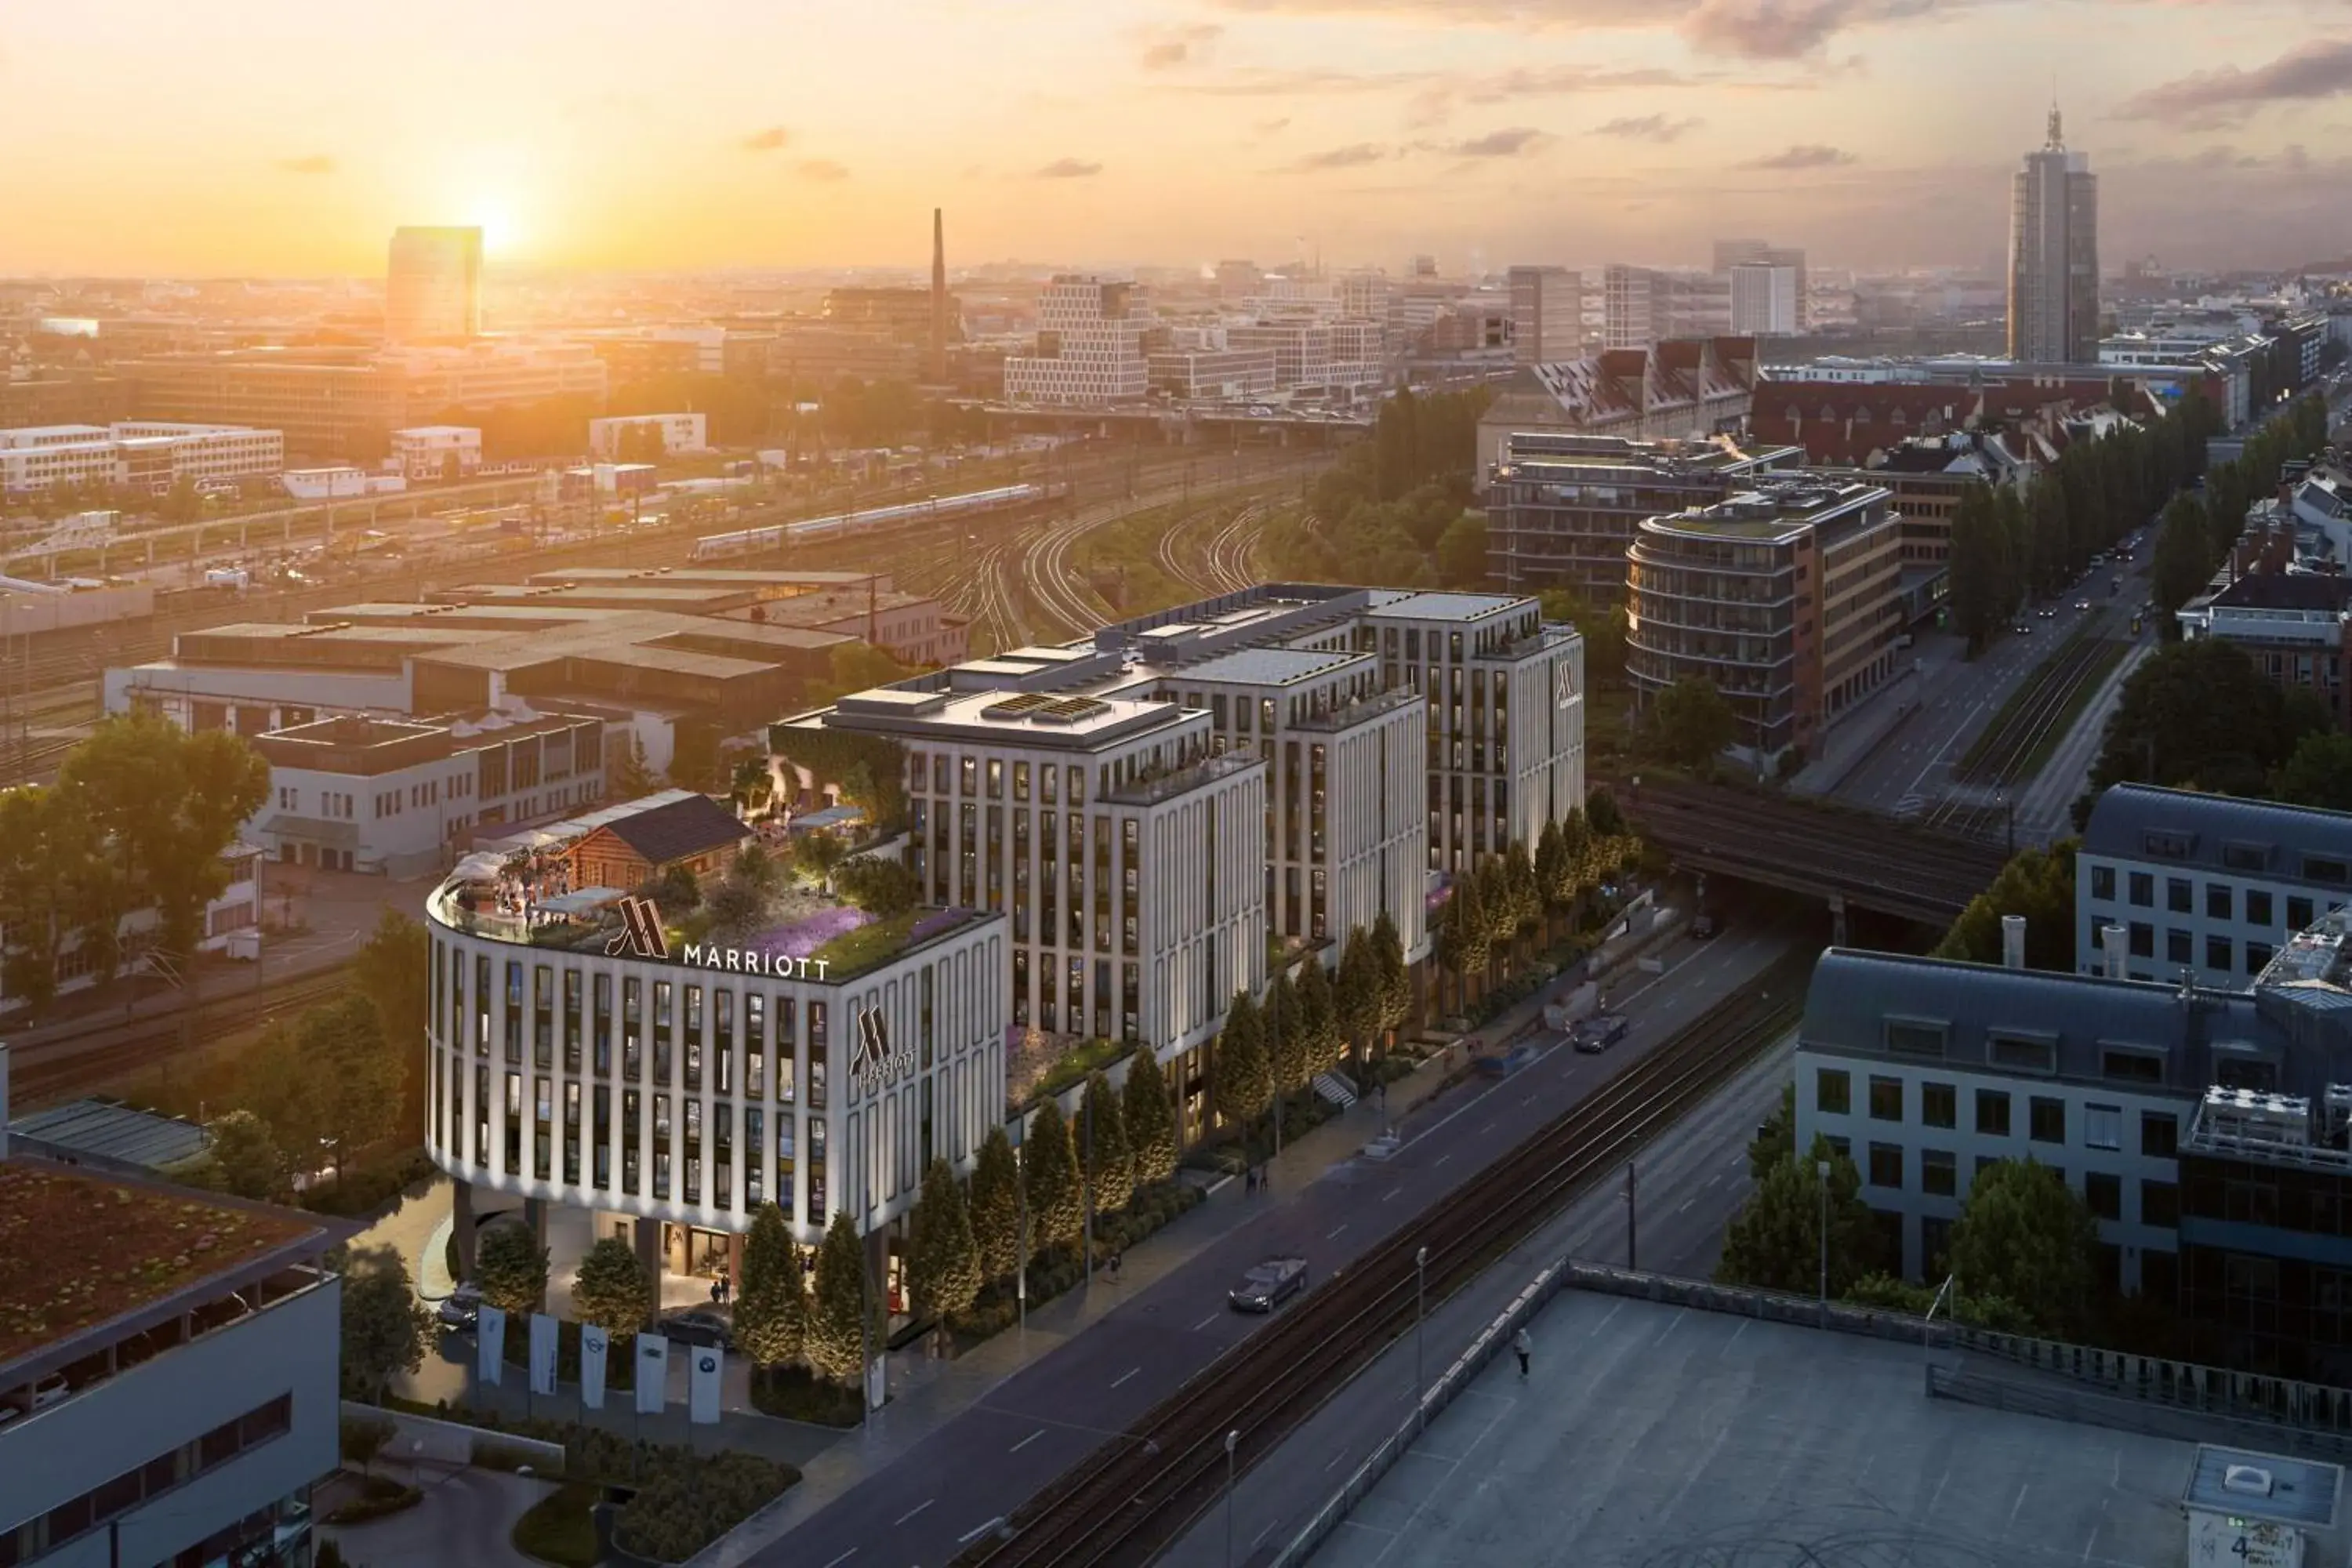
x=1875 y=136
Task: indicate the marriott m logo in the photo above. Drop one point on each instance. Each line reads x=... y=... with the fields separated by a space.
x=873 y=1044
x=640 y=935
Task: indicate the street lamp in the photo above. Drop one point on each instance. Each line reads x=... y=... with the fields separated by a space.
x=1232 y=1441
x=1420 y=1312
x=1821 y=1169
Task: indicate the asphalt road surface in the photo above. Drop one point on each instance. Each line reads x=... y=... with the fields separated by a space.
x=985 y=1462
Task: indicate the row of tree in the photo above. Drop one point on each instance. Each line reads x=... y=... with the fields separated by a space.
x=1394 y=511
x=2198 y=530
x=2022 y=1257
x=138 y=820
x=2006 y=544
x=1312 y=1024
x=1511 y=896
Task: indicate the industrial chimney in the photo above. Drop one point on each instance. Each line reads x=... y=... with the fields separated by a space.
x=938 y=365
x=2012 y=942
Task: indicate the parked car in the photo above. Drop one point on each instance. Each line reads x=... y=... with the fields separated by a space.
x=1597 y=1033
x=1268 y=1285
x=698 y=1326
x=461 y=1310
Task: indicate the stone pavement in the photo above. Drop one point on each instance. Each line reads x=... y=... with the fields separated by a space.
x=467 y=1517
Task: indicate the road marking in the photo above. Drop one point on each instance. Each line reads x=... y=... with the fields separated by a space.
x=1122 y=1377
x=1717 y=1177
x=1391 y=1193
x=912 y=1511
x=1334 y=1236
x=1439 y=1160
x=1734 y=1339
x=977 y=1531
x=844 y=1557
x=2018 y=1503
x=1686 y=1205
x=1026 y=1441
x=1489 y=1125
x=1206 y=1322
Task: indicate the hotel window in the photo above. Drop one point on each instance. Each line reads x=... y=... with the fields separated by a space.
x=818 y=1043
x=2179 y=896
x=2221 y=953
x=2143 y=889
x=2220 y=904
x=664 y=1019
x=571 y=1134
x=755 y=1032
x=2179 y=946
x=2160 y=1134
x=572 y=1021
x=693 y=1038
x=2298 y=914
x=601 y=1124
x=755 y=1133
x=632 y=1011
x=815 y=1215
x=722 y=1004
x=2102 y=1126
x=2102 y=1193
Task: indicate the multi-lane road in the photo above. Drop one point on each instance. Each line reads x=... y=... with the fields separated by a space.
x=980 y=1465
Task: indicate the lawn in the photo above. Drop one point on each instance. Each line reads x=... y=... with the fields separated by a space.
x=560 y=1527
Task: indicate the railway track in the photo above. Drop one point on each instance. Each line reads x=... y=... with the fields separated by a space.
x=2000 y=761
x=1140 y=1491
x=43 y=1071
x=1231 y=547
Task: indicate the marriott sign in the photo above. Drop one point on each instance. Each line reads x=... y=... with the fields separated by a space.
x=641 y=936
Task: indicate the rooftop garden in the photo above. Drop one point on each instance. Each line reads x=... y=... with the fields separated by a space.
x=139 y=1244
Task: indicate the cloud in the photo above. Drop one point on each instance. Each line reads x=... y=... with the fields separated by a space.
x=1507 y=143
x=1753 y=29
x=825 y=171
x=1646 y=128
x=308 y=163
x=1443 y=95
x=1804 y=155
x=1355 y=156
x=2204 y=100
x=1070 y=169
x=1166 y=48
x=1271 y=127
x=769 y=141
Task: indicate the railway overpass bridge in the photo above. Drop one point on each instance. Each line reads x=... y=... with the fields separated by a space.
x=1855 y=859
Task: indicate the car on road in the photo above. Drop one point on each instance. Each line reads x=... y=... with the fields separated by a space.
x=2025 y=626
x=1595 y=1035
x=2082 y=604
x=1268 y=1285
x=1705 y=925
x=2048 y=612
x=461 y=1310
x=697 y=1326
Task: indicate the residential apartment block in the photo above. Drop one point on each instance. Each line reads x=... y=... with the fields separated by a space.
x=146 y=455
x=1546 y=314
x=2205 y=887
x=1787 y=596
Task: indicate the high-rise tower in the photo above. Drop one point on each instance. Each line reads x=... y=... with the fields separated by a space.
x=939 y=362
x=2053 y=255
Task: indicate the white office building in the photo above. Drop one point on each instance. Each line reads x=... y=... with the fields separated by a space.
x=586 y=1059
x=437 y=451
x=232 y=925
x=679 y=433
x=147 y=455
x=1090 y=344
x=156 y=1409
x=1764 y=300
x=2209 y=886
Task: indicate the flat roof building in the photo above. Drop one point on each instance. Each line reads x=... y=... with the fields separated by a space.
x=1690 y=388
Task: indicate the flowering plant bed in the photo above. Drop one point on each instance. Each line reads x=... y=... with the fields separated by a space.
x=78 y=1249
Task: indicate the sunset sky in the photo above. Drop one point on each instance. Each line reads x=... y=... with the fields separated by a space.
x=161 y=136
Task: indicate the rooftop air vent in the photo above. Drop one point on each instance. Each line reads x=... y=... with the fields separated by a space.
x=2247 y=1480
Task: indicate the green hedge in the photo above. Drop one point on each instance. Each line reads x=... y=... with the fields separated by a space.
x=796 y=1393
x=561 y=1528
x=370 y=1184
x=380 y=1498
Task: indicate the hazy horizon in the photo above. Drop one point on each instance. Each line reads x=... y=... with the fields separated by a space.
x=1876 y=133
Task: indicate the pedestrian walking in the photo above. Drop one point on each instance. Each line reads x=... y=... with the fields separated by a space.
x=1115 y=1256
x=1249 y=1180
x=1522 y=1345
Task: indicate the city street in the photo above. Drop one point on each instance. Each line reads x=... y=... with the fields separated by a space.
x=986 y=1461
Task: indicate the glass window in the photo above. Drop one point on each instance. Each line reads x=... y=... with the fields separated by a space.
x=2102 y=1126
x=2180 y=895
x=2143 y=940
x=2258 y=956
x=2221 y=953
x=1940 y=1105
x=1993 y=1112
x=2178 y=947
x=2160 y=1134
x=2160 y=1202
x=1938 y=1173
x=1886 y=1164
x=2258 y=907
x=1886 y=1099
x=2298 y=914
x=2220 y=902
x=2046 y=1121
x=2103 y=883
x=2102 y=1193
x=1833 y=1092
x=2143 y=889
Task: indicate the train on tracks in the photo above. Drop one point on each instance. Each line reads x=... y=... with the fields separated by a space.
x=876 y=520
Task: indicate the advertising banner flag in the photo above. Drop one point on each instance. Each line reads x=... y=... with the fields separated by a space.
x=653 y=1373
x=490 y=1340
x=543 y=1354
x=702 y=1389
x=594 y=1342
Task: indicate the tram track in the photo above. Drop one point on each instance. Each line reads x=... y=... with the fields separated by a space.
x=41 y=1070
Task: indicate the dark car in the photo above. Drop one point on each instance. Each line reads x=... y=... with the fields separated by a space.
x=461 y=1310
x=1597 y=1033
x=697 y=1327
x=1268 y=1285
x=1706 y=925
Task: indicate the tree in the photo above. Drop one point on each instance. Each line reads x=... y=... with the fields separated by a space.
x=835 y=1345
x=55 y=891
x=1318 y=1017
x=356 y=1074
x=1980 y=594
x=2025 y=1235
x=1282 y=1025
x=2036 y=883
x=1111 y=1166
x=394 y=972
x=1049 y=1174
x=881 y=886
x=2318 y=771
x=2198 y=714
x=1244 y=1080
x=942 y=1259
x=511 y=1268
x=817 y=853
x=246 y=1157
x=1396 y=980
x=626 y=775
x=1774 y=1242
x=182 y=504
x=1601 y=810
x=1356 y=999
x=385 y=1329
x=736 y=905
x=1151 y=1120
x=1691 y=724
x=1462 y=552
x=165 y=804
x=611 y=1290
x=1776 y=1138
x=2183 y=560
x=996 y=1206
x=771 y=1301
x=850 y=668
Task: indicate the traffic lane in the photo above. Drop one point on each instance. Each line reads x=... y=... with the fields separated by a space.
x=1692 y=1177
x=1083 y=1392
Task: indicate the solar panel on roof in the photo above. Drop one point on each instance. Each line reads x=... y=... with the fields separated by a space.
x=1015 y=706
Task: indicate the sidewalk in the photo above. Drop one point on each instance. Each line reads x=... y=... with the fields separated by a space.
x=1871 y=723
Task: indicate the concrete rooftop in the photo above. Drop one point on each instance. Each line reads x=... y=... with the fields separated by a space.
x=1655 y=1436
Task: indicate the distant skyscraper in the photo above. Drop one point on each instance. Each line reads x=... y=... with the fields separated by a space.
x=1546 y=314
x=433 y=289
x=2053 y=255
x=1732 y=253
x=939 y=298
x=1763 y=300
